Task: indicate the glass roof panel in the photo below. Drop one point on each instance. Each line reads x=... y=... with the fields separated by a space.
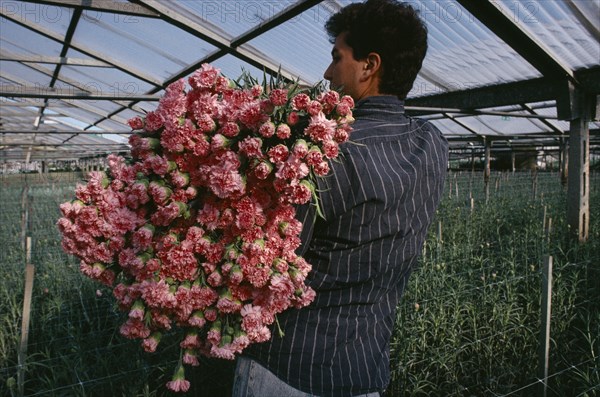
x=503 y=125
x=51 y=17
x=463 y=53
x=301 y=44
x=449 y=127
x=103 y=107
x=127 y=114
x=150 y=45
x=423 y=87
x=570 y=29
x=147 y=106
x=20 y=40
x=105 y=81
x=110 y=125
x=18 y=73
x=234 y=17
x=232 y=67
x=82 y=116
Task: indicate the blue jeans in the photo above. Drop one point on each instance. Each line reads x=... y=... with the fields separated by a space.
x=254 y=380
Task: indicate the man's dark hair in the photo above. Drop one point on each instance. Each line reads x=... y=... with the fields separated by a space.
x=392 y=29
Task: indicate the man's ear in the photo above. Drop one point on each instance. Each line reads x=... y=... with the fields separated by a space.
x=372 y=65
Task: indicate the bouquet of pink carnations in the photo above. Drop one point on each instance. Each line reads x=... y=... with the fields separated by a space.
x=198 y=230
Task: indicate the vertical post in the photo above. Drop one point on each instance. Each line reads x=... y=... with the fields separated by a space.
x=24 y=215
x=578 y=195
x=544 y=359
x=534 y=180
x=456 y=185
x=512 y=160
x=486 y=169
x=439 y=240
x=562 y=161
x=29 y=271
x=544 y=221
x=472 y=159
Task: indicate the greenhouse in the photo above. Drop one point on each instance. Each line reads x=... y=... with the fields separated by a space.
x=504 y=298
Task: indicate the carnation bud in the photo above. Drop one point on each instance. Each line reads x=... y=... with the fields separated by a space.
x=183 y=209
x=216 y=326
x=225 y=340
x=231 y=252
x=293 y=118
x=172 y=166
x=236 y=275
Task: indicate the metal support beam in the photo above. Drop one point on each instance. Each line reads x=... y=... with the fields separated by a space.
x=8 y=56
x=515 y=93
x=534 y=90
x=66 y=94
x=495 y=17
x=578 y=193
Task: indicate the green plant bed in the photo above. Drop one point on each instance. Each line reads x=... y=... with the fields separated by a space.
x=468 y=325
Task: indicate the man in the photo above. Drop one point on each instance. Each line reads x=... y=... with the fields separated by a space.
x=377 y=202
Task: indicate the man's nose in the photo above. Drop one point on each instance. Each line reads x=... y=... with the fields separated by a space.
x=327 y=74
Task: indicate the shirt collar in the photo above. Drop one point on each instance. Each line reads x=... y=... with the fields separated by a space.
x=372 y=104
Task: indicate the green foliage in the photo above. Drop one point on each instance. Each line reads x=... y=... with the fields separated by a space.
x=468 y=325
x=469 y=322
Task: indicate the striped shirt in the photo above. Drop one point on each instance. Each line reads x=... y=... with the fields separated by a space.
x=377 y=202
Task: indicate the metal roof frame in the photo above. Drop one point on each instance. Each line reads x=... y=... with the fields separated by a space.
x=558 y=82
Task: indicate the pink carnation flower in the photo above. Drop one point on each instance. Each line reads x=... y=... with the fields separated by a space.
x=136 y=123
x=278 y=153
x=134 y=329
x=225 y=182
x=267 y=130
x=320 y=128
x=153 y=122
x=205 y=77
x=178 y=383
x=314 y=156
x=300 y=101
x=226 y=352
x=229 y=129
x=263 y=169
x=151 y=343
x=190 y=358
x=293 y=118
x=278 y=96
x=251 y=115
x=283 y=131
